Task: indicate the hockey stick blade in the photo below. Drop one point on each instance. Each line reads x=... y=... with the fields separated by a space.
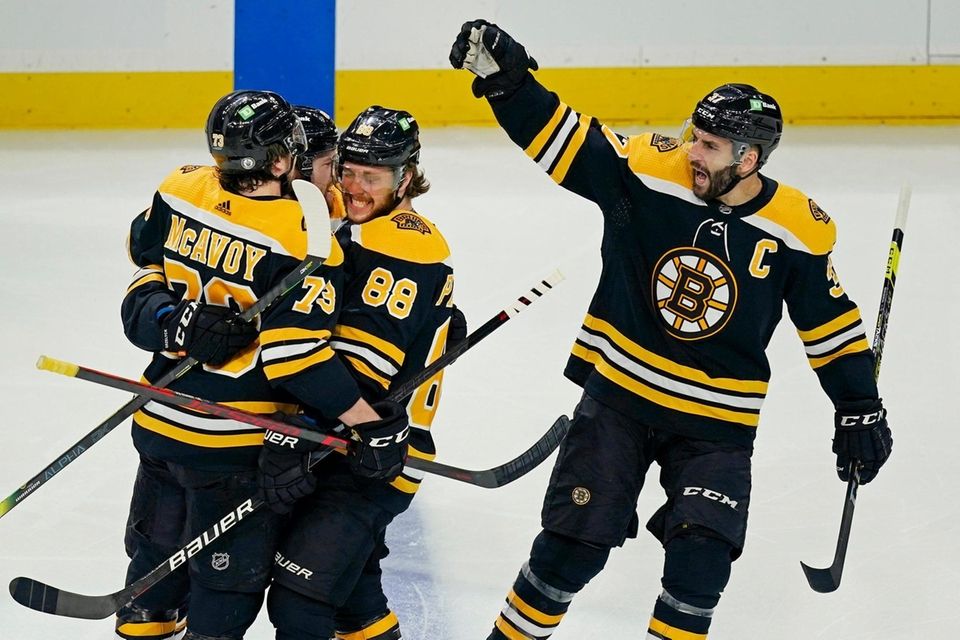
x=36 y=595
x=507 y=472
x=316 y=220
x=828 y=580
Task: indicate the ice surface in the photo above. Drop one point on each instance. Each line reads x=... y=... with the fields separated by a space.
x=65 y=202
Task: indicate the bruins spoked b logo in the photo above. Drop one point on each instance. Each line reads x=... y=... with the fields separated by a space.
x=694 y=291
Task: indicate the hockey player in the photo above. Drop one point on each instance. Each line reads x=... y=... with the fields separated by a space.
x=316 y=164
x=700 y=252
x=397 y=305
x=212 y=242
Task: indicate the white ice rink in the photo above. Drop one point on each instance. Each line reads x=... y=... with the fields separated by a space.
x=65 y=202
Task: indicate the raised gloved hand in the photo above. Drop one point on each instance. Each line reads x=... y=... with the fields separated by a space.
x=380 y=446
x=862 y=434
x=207 y=333
x=500 y=63
x=283 y=475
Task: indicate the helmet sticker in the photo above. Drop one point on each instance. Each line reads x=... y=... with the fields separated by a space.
x=245 y=112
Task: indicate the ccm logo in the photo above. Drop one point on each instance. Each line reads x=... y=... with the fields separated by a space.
x=386 y=441
x=281 y=440
x=711 y=495
x=868 y=419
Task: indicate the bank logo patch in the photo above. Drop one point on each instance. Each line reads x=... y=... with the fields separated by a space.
x=694 y=291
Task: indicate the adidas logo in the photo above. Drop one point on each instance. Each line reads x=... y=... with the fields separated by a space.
x=223 y=207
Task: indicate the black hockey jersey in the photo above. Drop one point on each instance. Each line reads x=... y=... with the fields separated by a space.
x=200 y=242
x=396 y=312
x=690 y=291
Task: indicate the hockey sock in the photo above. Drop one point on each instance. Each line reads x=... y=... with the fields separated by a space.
x=696 y=570
x=385 y=628
x=558 y=568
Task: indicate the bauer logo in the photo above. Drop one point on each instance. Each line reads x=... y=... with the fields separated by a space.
x=694 y=291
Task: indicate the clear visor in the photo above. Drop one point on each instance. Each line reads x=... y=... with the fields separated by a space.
x=690 y=135
x=369 y=178
x=296 y=142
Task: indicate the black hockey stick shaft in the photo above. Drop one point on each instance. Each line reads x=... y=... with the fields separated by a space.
x=47 y=599
x=316 y=219
x=828 y=580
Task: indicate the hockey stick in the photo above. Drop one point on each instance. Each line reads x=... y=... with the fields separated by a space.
x=489 y=478
x=827 y=580
x=318 y=248
x=42 y=597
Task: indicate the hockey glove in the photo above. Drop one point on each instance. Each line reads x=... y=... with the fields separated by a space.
x=457 y=332
x=862 y=434
x=205 y=332
x=500 y=63
x=283 y=474
x=380 y=446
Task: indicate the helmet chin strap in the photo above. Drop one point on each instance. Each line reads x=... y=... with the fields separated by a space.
x=744 y=147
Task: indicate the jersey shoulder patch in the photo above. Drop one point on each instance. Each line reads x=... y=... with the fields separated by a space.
x=797 y=220
x=653 y=155
x=405 y=235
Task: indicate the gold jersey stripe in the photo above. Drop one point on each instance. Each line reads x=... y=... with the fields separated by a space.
x=535 y=147
x=362 y=367
x=672 y=633
x=576 y=141
x=853 y=347
x=378 y=628
x=541 y=618
x=848 y=318
x=272 y=336
x=198 y=439
x=150 y=277
x=264 y=407
x=669 y=366
x=386 y=348
x=403 y=484
x=293 y=367
x=658 y=397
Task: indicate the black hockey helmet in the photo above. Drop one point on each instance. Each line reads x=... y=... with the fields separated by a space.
x=381 y=137
x=243 y=125
x=321 y=135
x=741 y=113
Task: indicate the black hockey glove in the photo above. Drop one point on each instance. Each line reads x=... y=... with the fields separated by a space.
x=380 y=446
x=283 y=474
x=457 y=332
x=862 y=434
x=500 y=63
x=205 y=332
